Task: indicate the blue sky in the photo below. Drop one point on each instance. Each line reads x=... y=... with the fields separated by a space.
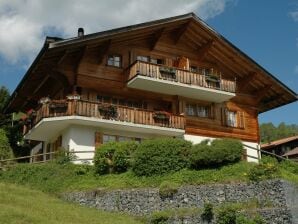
x=266 y=30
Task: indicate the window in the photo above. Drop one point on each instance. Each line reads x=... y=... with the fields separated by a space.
x=157 y=61
x=143 y=58
x=114 y=60
x=235 y=119
x=197 y=110
x=124 y=139
x=231 y=118
x=115 y=138
x=108 y=138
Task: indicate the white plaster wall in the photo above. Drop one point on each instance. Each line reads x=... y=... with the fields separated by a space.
x=250 y=152
x=82 y=138
x=79 y=138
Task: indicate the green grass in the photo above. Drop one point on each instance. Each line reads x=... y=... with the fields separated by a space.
x=55 y=178
x=20 y=205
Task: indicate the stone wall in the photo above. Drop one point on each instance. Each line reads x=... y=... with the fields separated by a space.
x=280 y=196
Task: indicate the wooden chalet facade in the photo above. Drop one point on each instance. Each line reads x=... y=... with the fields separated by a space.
x=171 y=77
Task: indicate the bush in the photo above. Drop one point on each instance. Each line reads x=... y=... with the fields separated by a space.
x=220 y=152
x=227 y=215
x=268 y=168
x=168 y=189
x=114 y=157
x=5 y=149
x=290 y=166
x=161 y=156
x=207 y=214
x=159 y=217
x=63 y=156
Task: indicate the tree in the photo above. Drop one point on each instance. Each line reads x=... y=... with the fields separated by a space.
x=5 y=149
x=269 y=132
x=4 y=97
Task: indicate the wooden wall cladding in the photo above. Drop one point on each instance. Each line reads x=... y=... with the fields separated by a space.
x=93 y=75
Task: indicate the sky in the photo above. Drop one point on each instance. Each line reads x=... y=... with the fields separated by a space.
x=265 y=30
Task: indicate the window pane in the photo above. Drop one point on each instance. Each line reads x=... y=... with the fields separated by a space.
x=109 y=138
x=231 y=119
x=154 y=61
x=123 y=139
x=143 y=58
x=117 y=58
x=190 y=109
x=117 y=63
x=110 y=60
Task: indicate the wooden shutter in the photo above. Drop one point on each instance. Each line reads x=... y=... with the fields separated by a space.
x=224 y=116
x=98 y=139
x=240 y=119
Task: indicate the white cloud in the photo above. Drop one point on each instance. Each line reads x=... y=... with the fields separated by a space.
x=294 y=15
x=24 y=23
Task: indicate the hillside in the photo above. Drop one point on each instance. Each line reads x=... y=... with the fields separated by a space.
x=22 y=205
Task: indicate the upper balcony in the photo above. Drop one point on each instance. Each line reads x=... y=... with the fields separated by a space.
x=56 y=115
x=173 y=81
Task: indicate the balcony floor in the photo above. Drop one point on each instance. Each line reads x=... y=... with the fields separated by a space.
x=181 y=89
x=47 y=128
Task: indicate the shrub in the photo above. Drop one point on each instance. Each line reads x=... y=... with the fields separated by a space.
x=207 y=214
x=290 y=166
x=159 y=217
x=160 y=156
x=63 y=156
x=167 y=189
x=227 y=215
x=5 y=149
x=220 y=152
x=266 y=169
x=114 y=157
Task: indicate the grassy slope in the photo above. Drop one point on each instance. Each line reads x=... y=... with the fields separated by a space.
x=20 y=205
x=55 y=178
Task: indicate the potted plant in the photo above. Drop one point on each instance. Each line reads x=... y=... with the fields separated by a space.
x=161 y=115
x=108 y=111
x=168 y=71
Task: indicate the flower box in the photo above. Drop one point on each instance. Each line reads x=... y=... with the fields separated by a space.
x=108 y=111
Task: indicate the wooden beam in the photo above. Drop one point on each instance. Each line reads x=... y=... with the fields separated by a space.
x=261 y=93
x=156 y=37
x=203 y=50
x=181 y=32
x=81 y=56
x=270 y=100
x=104 y=50
x=61 y=60
x=243 y=84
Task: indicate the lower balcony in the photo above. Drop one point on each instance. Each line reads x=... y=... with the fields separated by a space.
x=174 y=81
x=56 y=115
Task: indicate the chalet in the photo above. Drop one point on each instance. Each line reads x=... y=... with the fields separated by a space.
x=286 y=147
x=174 y=77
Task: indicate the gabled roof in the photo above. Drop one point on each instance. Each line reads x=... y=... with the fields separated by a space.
x=279 y=142
x=277 y=94
x=292 y=152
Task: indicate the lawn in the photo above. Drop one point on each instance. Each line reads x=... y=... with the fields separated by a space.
x=55 y=178
x=21 y=205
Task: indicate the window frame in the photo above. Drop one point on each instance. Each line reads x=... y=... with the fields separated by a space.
x=196 y=107
x=114 y=56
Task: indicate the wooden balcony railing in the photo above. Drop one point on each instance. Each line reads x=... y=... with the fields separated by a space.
x=58 y=108
x=181 y=76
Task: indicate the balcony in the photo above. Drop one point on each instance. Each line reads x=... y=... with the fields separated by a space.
x=56 y=115
x=173 y=81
